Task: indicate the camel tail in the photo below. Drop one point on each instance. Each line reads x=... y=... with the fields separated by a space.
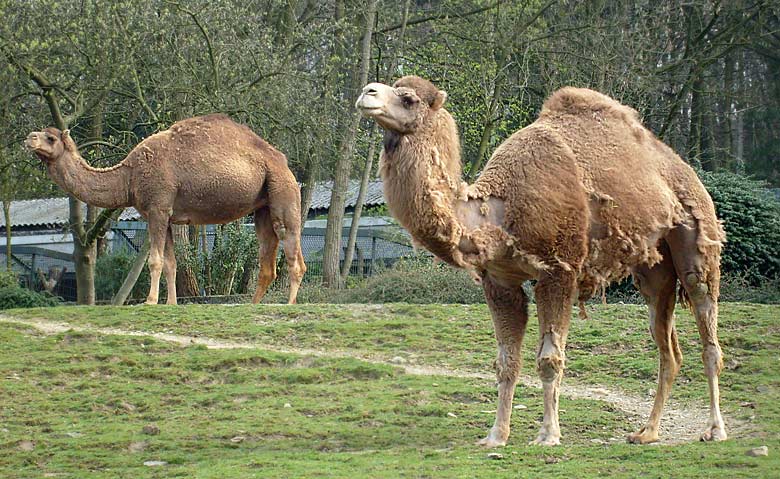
x=682 y=297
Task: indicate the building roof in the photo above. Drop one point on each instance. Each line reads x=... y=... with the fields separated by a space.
x=322 y=191
x=49 y=212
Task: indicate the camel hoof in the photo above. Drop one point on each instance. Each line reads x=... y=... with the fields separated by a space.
x=150 y=302
x=546 y=440
x=490 y=442
x=642 y=436
x=714 y=433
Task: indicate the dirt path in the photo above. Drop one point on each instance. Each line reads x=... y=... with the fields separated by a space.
x=679 y=424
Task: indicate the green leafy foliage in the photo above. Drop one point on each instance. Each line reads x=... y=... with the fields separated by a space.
x=18 y=297
x=418 y=281
x=111 y=270
x=751 y=218
x=8 y=279
x=224 y=266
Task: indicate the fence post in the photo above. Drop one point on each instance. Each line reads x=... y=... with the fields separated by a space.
x=32 y=272
x=373 y=256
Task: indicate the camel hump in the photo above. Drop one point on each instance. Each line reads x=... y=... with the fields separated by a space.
x=198 y=122
x=578 y=101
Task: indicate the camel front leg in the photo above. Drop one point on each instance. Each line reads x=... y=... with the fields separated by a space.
x=554 y=294
x=509 y=309
x=169 y=266
x=158 y=224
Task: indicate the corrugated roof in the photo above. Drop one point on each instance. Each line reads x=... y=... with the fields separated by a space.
x=322 y=192
x=49 y=212
x=54 y=211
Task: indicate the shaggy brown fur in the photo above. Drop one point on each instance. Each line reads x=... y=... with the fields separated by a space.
x=203 y=170
x=584 y=196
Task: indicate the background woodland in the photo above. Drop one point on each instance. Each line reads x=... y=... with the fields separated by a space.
x=704 y=76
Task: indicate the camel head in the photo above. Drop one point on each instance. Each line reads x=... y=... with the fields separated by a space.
x=403 y=107
x=50 y=144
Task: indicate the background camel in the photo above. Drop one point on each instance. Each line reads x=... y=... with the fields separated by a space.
x=582 y=197
x=203 y=170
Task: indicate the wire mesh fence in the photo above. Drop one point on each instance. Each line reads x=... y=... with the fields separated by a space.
x=376 y=247
x=48 y=267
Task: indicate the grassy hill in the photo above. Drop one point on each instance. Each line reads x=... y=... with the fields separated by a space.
x=361 y=391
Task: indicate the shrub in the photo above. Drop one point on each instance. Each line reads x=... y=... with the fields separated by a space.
x=8 y=279
x=418 y=280
x=751 y=218
x=224 y=267
x=18 y=297
x=111 y=271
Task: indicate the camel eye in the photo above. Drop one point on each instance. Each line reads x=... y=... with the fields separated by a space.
x=409 y=100
x=50 y=138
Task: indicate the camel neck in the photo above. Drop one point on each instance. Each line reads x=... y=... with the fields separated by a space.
x=103 y=187
x=421 y=189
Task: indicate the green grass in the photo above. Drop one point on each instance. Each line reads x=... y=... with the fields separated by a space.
x=84 y=398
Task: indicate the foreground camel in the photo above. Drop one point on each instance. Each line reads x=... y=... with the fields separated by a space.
x=203 y=170
x=582 y=197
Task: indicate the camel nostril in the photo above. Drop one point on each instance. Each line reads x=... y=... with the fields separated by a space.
x=370 y=91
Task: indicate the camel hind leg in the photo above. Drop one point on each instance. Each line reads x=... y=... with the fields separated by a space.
x=267 y=247
x=284 y=199
x=657 y=285
x=509 y=309
x=296 y=267
x=699 y=274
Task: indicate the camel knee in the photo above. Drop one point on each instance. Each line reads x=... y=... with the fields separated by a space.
x=155 y=263
x=280 y=230
x=507 y=365
x=712 y=356
x=695 y=286
x=550 y=361
x=266 y=276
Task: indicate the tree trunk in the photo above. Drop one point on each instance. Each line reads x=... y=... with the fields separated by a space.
x=353 y=229
x=83 y=254
x=8 y=249
x=332 y=250
x=489 y=127
x=307 y=191
x=695 y=150
x=186 y=279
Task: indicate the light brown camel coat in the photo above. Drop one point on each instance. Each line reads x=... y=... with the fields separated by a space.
x=583 y=196
x=202 y=170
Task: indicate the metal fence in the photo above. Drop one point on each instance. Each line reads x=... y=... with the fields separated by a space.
x=376 y=247
x=36 y=265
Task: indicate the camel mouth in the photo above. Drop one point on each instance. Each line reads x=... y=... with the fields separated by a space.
x=371 y=111
x=32 y=142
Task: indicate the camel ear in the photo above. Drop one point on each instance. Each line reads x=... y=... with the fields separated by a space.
x=438 y=102
x=67 y=141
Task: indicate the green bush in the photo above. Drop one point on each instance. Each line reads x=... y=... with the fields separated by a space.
x=751 y=218
x=18 y=297
x=418 y=280
x=110 y=273
x=234 y=245
x=8 y=279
